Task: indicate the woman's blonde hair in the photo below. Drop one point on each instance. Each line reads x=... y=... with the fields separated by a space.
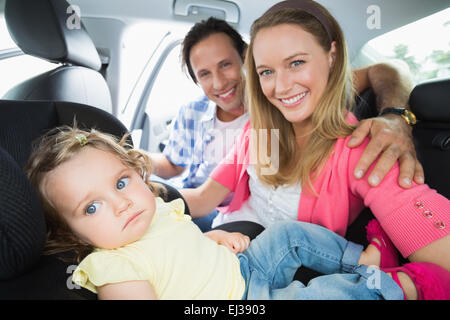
x=60 y=145
x=328 y=118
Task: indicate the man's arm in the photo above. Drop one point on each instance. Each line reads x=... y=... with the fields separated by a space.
x=177 y=149
x=390 y=81
x=391 y=136
x=162 y=167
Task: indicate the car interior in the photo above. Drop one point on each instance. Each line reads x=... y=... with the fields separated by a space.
x=89 y=46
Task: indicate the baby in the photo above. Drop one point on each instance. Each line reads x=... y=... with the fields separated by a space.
x=100 y=204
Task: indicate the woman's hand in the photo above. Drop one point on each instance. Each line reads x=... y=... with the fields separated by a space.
x=205 y=198
x=235 y=241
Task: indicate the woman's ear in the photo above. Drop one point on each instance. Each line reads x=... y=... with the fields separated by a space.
x=332 y=55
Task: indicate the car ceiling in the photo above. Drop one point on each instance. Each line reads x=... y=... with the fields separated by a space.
x=351 y=14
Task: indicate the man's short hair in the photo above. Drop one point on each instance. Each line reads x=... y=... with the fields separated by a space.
x=204 y=29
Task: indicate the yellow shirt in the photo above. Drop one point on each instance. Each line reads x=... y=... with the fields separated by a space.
x=174 y=255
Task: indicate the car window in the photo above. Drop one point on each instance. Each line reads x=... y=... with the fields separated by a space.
x=172 y=88
x=16 y=69
x=424 y=45
x=5 y=39
x=20 y=68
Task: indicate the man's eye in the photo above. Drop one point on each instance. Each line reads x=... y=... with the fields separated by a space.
x=92 y=208
x=122 y=183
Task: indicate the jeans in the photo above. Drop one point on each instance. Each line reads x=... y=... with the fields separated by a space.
x=204 y=223
x=270 y=262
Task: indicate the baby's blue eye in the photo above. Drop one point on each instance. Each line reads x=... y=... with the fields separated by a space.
x=122 y=183
x=92 y=208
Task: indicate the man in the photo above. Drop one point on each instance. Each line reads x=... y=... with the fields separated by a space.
x=213 y=54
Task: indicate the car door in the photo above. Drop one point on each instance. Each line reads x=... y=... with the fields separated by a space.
x=163 y=86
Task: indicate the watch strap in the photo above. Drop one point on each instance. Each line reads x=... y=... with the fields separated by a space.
x=406 y=114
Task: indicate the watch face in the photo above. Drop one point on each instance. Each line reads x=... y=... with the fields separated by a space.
x=406 y=114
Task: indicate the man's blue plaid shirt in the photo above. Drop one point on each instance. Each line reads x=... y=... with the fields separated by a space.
x=190 y=134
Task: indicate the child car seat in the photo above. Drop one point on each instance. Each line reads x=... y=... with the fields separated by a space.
x=24 y=272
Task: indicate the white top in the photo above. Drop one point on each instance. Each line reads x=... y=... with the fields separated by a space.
x=266 y=204
x=222 y=138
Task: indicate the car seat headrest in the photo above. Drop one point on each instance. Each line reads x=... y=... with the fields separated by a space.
x=47 y=29
x=430 y=101
x=22 y=222
x=22 y=122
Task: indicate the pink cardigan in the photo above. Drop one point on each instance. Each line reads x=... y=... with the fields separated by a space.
x=413 y=218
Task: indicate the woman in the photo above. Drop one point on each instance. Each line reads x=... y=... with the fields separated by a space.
x=299 y=84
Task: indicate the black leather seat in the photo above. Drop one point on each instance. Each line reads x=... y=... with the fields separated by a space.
x=430 y=102
x=24 y=272
x=47 y=277
x=44 y=29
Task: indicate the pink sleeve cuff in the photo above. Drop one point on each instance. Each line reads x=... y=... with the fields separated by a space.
x=412 y=218
x=423 y=220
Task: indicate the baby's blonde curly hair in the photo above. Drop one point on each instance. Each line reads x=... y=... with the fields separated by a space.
x=60 y=145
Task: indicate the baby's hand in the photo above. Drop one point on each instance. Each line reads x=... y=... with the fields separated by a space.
x=235 y=241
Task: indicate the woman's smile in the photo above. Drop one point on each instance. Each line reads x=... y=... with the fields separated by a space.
x=294 y=101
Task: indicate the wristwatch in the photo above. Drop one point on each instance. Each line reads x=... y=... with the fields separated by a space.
x=406 y=114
